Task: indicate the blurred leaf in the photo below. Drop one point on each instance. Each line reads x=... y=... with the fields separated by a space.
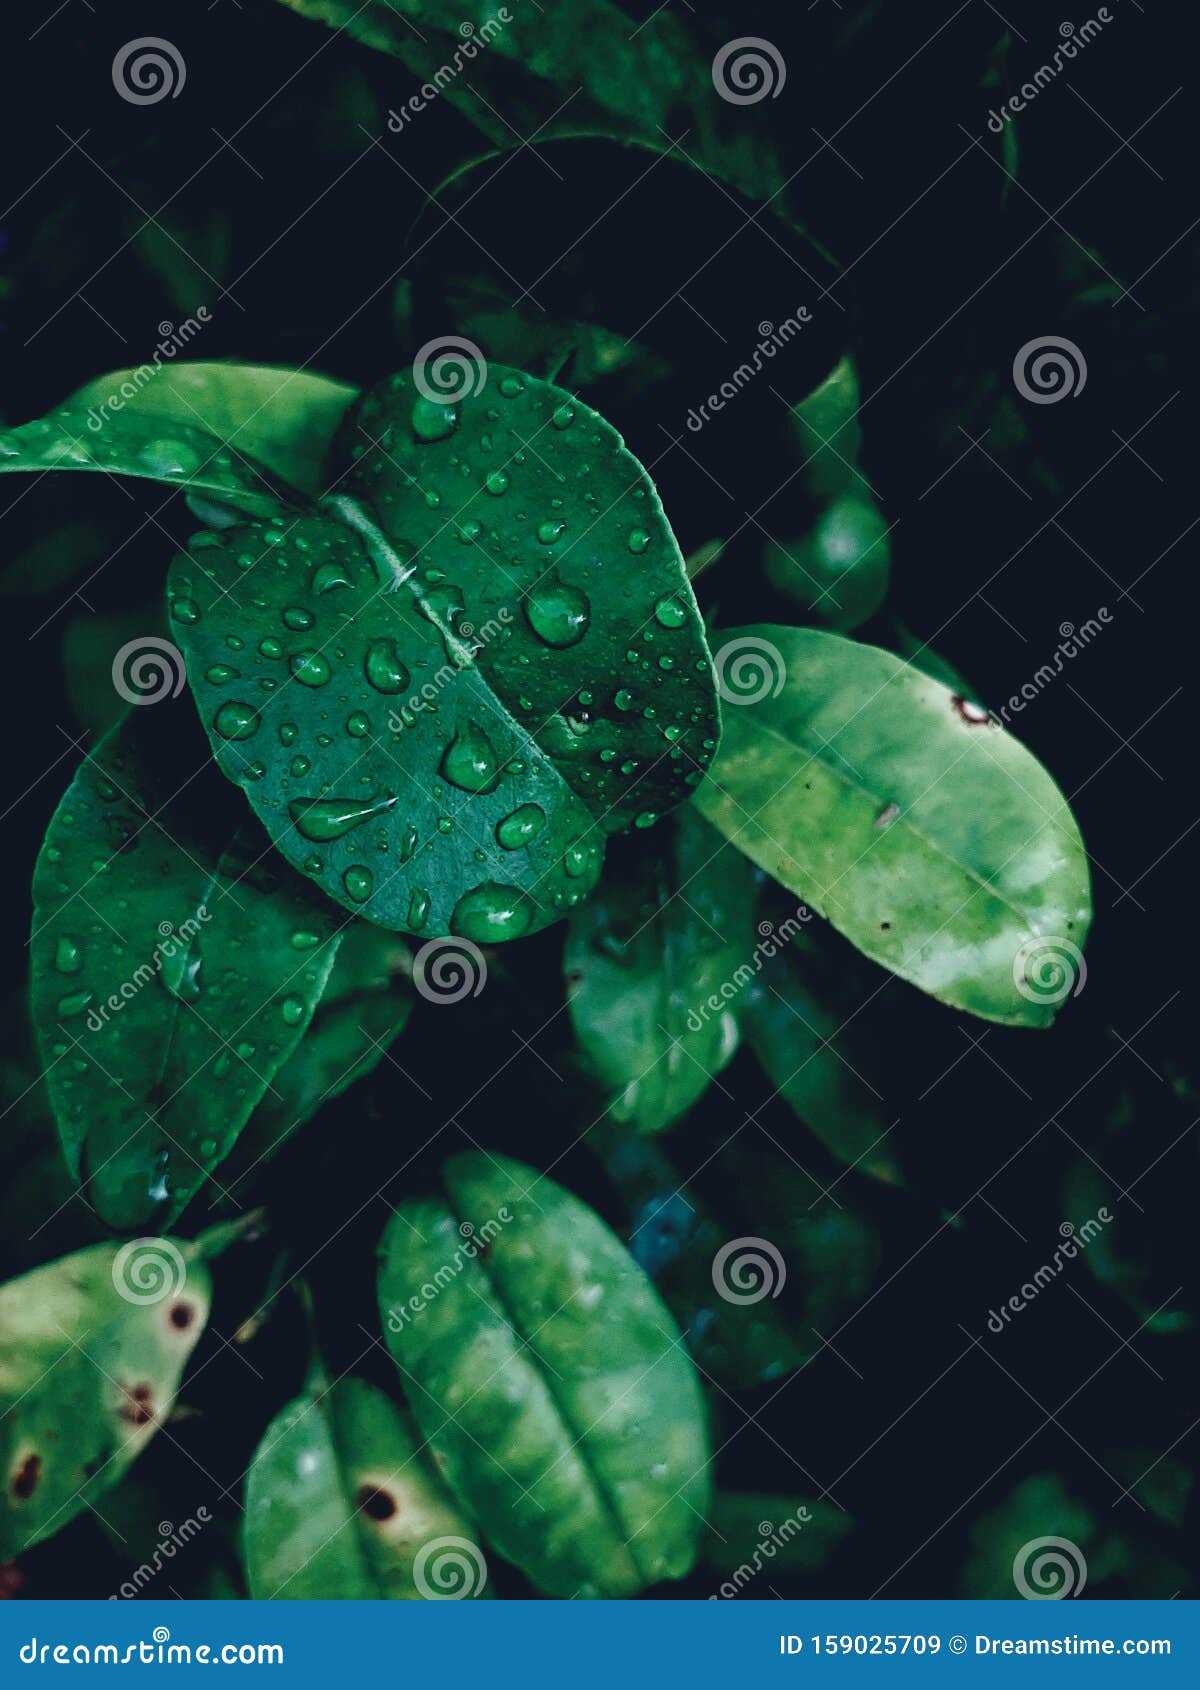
x=907 y=817
x=750 y=1532
x=655 y=963
x=340 y=1505
x=577 y=1439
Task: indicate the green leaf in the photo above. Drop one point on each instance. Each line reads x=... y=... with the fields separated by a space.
x=566 y=66
x=799 y=1019
x=440 y=722
x=284 y=418
x=175 y=965
x=906 y=816
x=156 y=448
x=655 y=963
x=91 y=1351
x=548 y=1378
x=340 y=1505
x=365 y=1006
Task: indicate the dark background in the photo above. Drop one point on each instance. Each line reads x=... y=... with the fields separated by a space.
x=294 y=235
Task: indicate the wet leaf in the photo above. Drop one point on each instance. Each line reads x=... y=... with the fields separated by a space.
x=283 y=419
x=91 y=1351
x=341 y=1505
x=155 y=448
x=655 y=963
x=440 y=722
x=365 y=1006
x=907 y=817
x=550 y=1381
x=175 y=965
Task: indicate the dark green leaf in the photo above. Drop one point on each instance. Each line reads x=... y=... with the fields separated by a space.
x=340 y=1505
x=906 y=816
x=509 y=666
x=91 y=1351
x=749 y=1533
x=655 y=963
x=550 y=1381
x=175 y=965
x=284 y=418
x=157 y=448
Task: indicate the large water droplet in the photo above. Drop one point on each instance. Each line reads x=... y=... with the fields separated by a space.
x=491 y=912
x=68 y=957
x=323 y=819
x=310 y=668
x=669 y=613
x=638 y=540
x=431 y=420
x=520 y=826
x=358 y=882
x=235 y=720
x=418 y=909
x=383 y=667
x=558 y=613
x=470 y=760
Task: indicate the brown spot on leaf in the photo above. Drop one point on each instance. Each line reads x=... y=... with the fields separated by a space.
x=973 y=713
x=138 y=1407
x=885 y=927
x=181 y=1316
x=376 y=1504
x=27 y=1477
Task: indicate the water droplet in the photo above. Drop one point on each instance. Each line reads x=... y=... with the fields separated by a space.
x=638 y=540
x=431 y=420
x=270 y=647
x=624 y=699
x=310 y=668
x=300 y=766
x=418 y=909
x=323 y=819
x=68 y=958
x=669 y=613
x=577 y=858
x=408 y=843
x=563 y=417
x=358 y=882
x=491 y=912
x=297 y=618
x=358 y=725
x=496 y=482
x=169 y=457
x=293 y=1011
x=185 y=610
x=75 y=1004
x=235 y=720
x=470 y=761
x=303 y=940
x=221 y=673
x=520 y=826
x=549 y=532
x=510 y=387
x=287 y=733
x=558 y=613
x=327 y=576
x=383 y=667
